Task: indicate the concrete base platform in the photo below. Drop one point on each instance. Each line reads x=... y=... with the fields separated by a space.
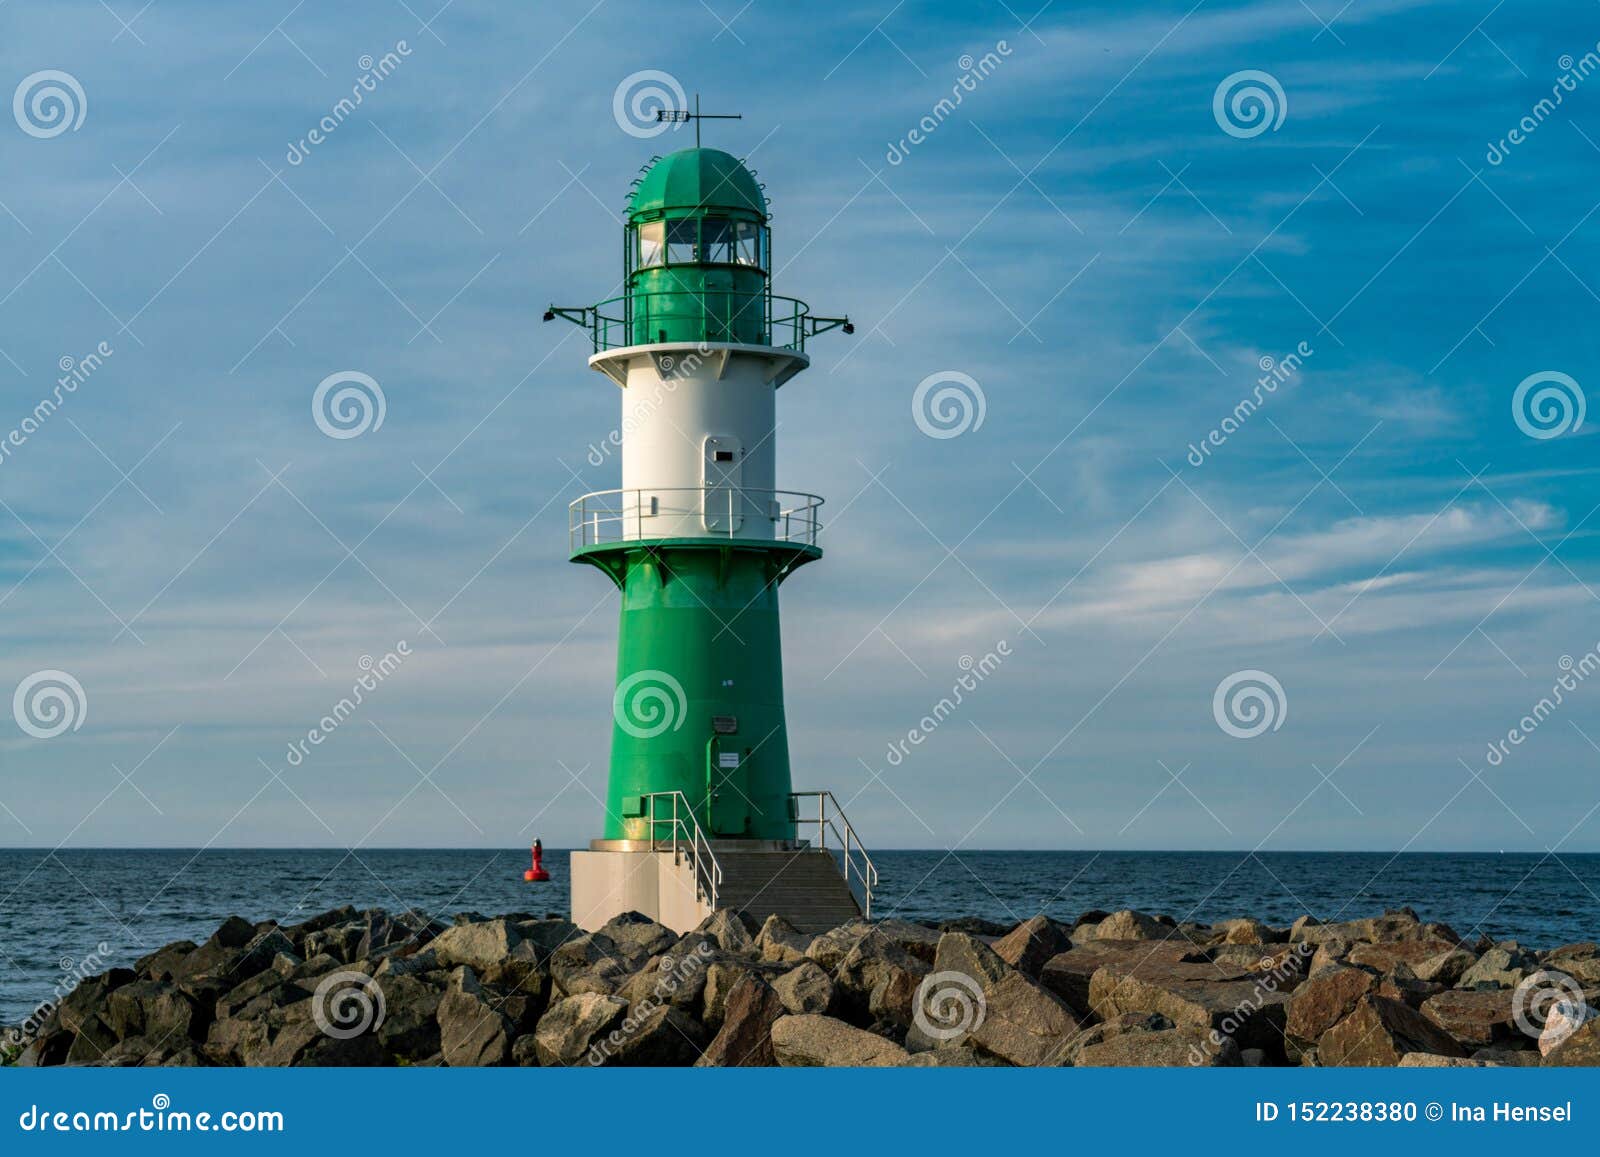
x=802 y=885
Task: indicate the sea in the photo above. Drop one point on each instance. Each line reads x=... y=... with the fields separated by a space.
x=70 y=913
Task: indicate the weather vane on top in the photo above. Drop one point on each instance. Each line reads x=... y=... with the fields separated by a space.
x=680 y=116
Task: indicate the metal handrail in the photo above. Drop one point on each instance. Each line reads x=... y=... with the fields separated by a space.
x=593 y=520
x=637 y=311
x=866 y=871
x=694 y=844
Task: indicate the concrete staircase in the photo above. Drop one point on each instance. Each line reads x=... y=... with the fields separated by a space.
x=806 y=888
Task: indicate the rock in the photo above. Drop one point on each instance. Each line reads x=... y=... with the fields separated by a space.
x=972 y=926
x=805 y=989
x=732 y=931
x=1202 y=997
x=722 y=977
x=480 y=946
x=1173 y=1047
x=810 y=1041
x=1068 y=973
x=1564 y=1018
x=1477 y=1019
x=956 y=1057
x=1334 y=950
x=411 y=1023
x=916 y=940
x=637 y=938
x=1508 y=1058
x=589 y=964
x=570 y=1028
x=545 y=936
x=1322 y=1002
x=472 y=1033
x=1252 y=1058
x=1446 y=968
x=1245 y=931
x=1031 y=945
x=1131 y=925
x=663 y=1036
x=1380 y=1031
x=972 y=997
x=830 y=949
x=163 y=963
x=877 y=981
x=745 y=1039
x=1385 y=957
x=1434 y=1061
x=1503 y=966
x=1580 y=1048
x=525 y=1052
x=781 y=942
x=154 y=1009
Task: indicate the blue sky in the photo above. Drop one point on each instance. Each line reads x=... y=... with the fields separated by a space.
x=1081 y=237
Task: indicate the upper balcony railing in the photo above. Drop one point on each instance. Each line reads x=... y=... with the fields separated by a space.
x=608 y=516
x=701 y=315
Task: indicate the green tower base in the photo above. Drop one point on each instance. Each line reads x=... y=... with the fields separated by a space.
x=698 y=707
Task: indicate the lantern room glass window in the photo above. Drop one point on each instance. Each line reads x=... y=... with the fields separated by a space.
x=750 y=244
x=651 y=243
x=683 y=241
x=716 y=238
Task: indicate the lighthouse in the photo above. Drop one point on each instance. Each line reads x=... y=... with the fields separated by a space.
x=701 y=809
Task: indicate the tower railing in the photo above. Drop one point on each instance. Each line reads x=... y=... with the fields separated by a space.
x=716 y=315
x=832 y=819
x=608 y=516
x=685 y=837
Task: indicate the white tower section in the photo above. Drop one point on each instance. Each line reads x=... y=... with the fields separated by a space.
x=699 y=456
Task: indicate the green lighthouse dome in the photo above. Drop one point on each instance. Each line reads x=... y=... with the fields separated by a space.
x=694 y=181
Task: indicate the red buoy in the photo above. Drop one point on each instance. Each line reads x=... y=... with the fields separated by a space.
x=537 y=873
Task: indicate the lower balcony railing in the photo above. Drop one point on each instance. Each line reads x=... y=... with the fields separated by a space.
x=608 y=516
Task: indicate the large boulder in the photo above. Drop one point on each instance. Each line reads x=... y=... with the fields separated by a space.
x=1505 y=965
x=805 y=988
x=1380 y=1031
x=1126 y=925
x=153 y=1009
x=1445 y=968
x=1320 y=1003
x=877 y=981
x=972 y=997
x=590 y=963
x=480 y=946
x=568 y=1032
x=1201 y=996
x=1580 y=1048
x=811 y=1041
x=1386 y=956
x=1564 y=1018
x=472 y=1032
x=1068 y=974
x=745 y=1039
x=1476 y=1018
x=732 y=930
x=781 y=942
x=636 y=937
x=663 y=1036
x=1032 y=944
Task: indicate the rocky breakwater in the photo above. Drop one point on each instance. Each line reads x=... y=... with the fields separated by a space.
x=1119 y=989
